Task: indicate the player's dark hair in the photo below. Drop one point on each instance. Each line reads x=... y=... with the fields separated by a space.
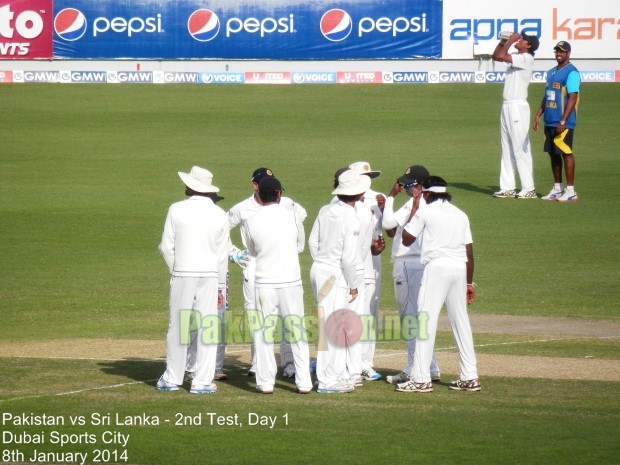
x=435 y=181
x=212 y=195
x=268 y=197
x=348 y=198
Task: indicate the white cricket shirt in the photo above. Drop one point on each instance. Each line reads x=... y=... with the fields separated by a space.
x=275 y=237
x=518 y=75
x=334 y=241
x=195 y=239
x=444 y=229
x=241 y=212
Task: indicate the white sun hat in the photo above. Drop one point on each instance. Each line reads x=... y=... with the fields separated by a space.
x=363 y=167
x=352 y=182
x=199 y=180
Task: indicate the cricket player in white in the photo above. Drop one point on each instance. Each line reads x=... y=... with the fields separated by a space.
x=406 y=260
x=515 y=116
x=372 y=201
x=238 y=216
x=335 y=249
x=448 y=260
x=194 y=246
x=275 y=237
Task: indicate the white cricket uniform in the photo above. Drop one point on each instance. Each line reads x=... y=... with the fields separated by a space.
x=238 y=216
x=194 y=246
x=372 y=281
x=334 y=247
x=275 y=237
x=369 y=217
x=515 y=125
x=406 y=272
x=445 y=232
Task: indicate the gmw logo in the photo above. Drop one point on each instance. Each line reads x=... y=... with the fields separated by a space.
x=337 y=25
x=204 y=25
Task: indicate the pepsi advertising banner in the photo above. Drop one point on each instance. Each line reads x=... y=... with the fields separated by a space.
x=257 y=30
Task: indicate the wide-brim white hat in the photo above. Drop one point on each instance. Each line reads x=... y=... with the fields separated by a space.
x=199 y=180
x=352 y=182
x=363 y=167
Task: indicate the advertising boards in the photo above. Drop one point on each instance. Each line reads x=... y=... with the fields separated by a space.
x=257 y=30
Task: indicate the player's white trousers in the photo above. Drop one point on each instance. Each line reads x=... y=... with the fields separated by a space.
x=331 y=294
x=407 y=274
x=355 y=351
x=286 y=355
x=283 y=306
x=516 y=149
x=373 y=291
x=221 y=348
x=371 y=320
x=200 y=295
x=444 y=280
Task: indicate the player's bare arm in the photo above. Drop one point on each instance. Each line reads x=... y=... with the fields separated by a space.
x=408 y=239
x=377 y=246
x=570 y=105
x=471 y=291
x=501 y=50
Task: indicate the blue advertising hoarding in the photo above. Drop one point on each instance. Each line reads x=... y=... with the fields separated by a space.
x=259 y=29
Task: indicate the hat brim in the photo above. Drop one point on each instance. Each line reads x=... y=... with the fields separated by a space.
x=372 y=174
x=197 y=186
x=561 y=49
x=404 y=180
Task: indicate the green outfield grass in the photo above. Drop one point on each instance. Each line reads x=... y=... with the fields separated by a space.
x=87 y=173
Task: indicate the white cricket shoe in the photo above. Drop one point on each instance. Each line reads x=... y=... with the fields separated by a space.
x=203 y=389
x=163 y=385
x=370 y=375
x=553 y=195
x=568 y=196
x=336 y=388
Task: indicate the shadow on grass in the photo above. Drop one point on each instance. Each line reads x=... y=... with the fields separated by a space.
x=149 y=371
x=466 y=186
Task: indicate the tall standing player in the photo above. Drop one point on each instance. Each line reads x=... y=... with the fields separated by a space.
x=276 y=237
x=194 y=246
x=559 y=105
x=373 y=202
x=335 y=249
x=448 y=259
x=406 y=260
x=515 y=116
x=238 y=216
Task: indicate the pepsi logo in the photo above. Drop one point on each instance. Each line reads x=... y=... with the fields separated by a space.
x=203 y=25
x=336 y=25
x=70 y=24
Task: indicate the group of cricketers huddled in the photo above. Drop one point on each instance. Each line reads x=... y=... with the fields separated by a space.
x=432 y=259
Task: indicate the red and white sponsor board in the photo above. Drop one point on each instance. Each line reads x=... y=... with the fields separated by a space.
x=268 y=77
x=25 y=29
x=360 y=77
